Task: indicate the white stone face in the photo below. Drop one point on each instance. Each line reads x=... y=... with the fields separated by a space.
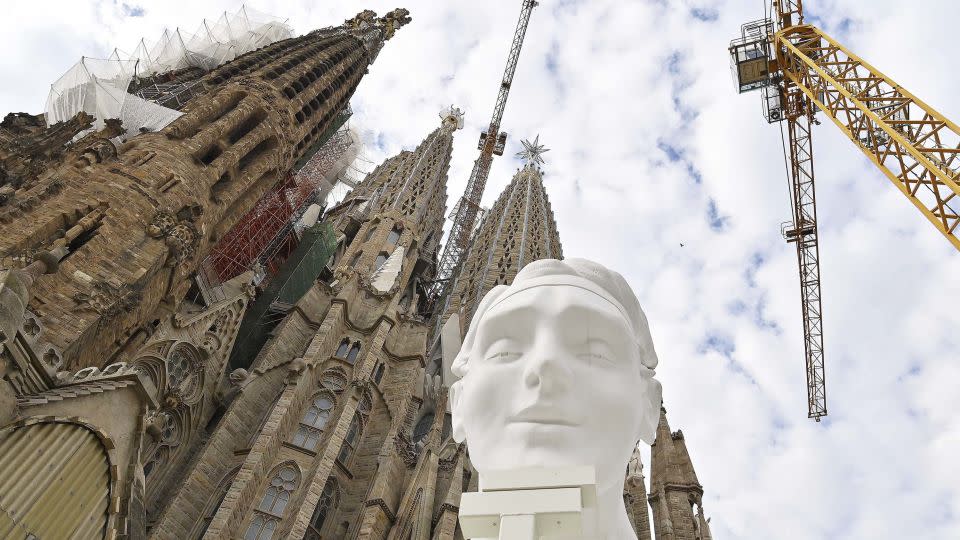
x=552 y=382
x=554 y=378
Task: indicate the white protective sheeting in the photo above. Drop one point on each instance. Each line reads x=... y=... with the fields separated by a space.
x=99 y=86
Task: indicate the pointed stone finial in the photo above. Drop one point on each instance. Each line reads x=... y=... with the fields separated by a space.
x=635 y=468
x=394 y=20
x=374 y=30
x=451 y=118
x=532 y=153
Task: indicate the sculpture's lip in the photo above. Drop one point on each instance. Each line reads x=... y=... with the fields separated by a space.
x=540 y=415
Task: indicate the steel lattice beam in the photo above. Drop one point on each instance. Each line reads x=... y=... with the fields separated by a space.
x=468 y=208
x=915 y=146
x=804 y=235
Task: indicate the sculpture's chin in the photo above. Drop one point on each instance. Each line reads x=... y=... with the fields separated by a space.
x=531 y=450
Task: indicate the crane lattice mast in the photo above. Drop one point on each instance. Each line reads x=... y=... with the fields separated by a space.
x=492 y=143
x=802 y=71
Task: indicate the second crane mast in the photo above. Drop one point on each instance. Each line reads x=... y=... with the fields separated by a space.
x=804 y=72
x=492 y=142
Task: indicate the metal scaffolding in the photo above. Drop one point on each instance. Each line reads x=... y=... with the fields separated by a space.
x=265 y=237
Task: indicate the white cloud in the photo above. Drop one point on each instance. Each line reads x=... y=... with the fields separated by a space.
x=615 y=89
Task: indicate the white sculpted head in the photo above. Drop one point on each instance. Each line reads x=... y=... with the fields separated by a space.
x=557 y=370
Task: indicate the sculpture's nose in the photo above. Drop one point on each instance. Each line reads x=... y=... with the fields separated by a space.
x=545 y=369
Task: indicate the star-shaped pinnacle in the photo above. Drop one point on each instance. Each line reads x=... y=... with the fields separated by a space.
x=532 y=151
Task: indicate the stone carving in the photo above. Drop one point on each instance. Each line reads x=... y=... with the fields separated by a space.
x=28 y=147
x=108 y=299
x=296 y=368
x=180 y=235
x=91 y=373
x=394 y=20
x=31 y=327
x=557 y=371
x=407 y=451
x=449 y=455
x=86 y=373
x=52 y=359
x=373 y=31
x=239 y=377
x=635 y=469
x=154 y=424
x=362 y=385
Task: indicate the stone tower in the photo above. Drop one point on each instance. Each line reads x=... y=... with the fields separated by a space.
x=635 y=497
x=518 y=229
x=676 y=496
x=136 y=220
x=312 y=444
x=98 y=245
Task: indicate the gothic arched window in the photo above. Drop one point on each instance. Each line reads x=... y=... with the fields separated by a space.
x=214 y=503
x=182 y=372
x=350 y=441
x=314 y=421
x=267 y=515
x=343 y=348
x=370 y=232
x=378 y=375
x=394 y=235
x=354 y=351
x=159 y=451
x=355 y=260
x=329 y=498
x=423 y=427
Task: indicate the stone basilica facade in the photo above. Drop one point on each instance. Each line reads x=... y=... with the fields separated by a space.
x=122 y=414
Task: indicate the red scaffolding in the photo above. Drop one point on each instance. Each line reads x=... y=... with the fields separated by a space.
x=265 y=235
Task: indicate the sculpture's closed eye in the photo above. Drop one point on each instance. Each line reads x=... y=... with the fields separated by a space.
x=592 y=355
x=596 y=348
x=502 y=350
x=502 y=356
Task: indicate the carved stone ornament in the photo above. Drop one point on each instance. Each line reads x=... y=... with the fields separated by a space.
x=180 y=236
x=240 y=377
x=52 y=359
x=154 y=424
x=373 y=31
x=108 y=299
x=363 y=385
x=406 y=450
x=295 y=369
x=449 y=456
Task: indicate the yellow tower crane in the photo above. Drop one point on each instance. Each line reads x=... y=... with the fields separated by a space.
x=801 y=72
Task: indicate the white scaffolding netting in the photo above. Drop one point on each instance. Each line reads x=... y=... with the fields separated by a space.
x=100 y=86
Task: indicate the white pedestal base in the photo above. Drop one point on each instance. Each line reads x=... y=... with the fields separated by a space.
x=531 y=503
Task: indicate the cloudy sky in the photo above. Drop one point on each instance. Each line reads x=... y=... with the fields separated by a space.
x=651 y=148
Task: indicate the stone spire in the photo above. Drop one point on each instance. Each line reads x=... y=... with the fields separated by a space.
x=635 y=497
x=154 y=210
x=374 y=31
x=518 y=229
x=410 y=186
x=676 y=496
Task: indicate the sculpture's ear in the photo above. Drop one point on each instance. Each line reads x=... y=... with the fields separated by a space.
x=652 y=397
x=456 y=415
